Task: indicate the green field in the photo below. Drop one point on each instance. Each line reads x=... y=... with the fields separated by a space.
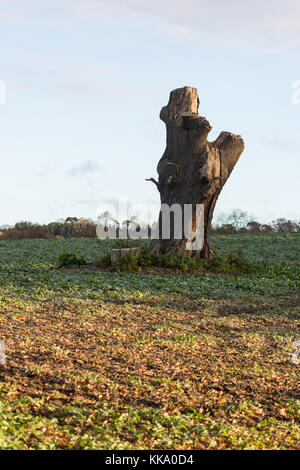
x=100 y=360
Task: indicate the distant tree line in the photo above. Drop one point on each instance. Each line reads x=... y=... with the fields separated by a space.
x=241 y=222
x=72 y=227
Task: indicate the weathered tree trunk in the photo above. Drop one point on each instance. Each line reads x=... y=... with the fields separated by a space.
x=192 y=170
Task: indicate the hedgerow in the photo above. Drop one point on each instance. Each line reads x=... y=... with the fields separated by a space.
x=234 y=263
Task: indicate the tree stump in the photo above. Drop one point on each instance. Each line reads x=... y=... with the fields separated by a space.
x=117 y=253
x=192 y=170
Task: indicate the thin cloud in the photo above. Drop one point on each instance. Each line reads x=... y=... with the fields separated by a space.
x=57 y=77
x=285 y=145
x=267 y=24
x=85 y=168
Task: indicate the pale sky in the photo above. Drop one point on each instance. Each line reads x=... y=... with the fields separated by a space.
x=86 y=79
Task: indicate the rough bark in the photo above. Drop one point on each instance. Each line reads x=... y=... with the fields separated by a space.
x=192 y=170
